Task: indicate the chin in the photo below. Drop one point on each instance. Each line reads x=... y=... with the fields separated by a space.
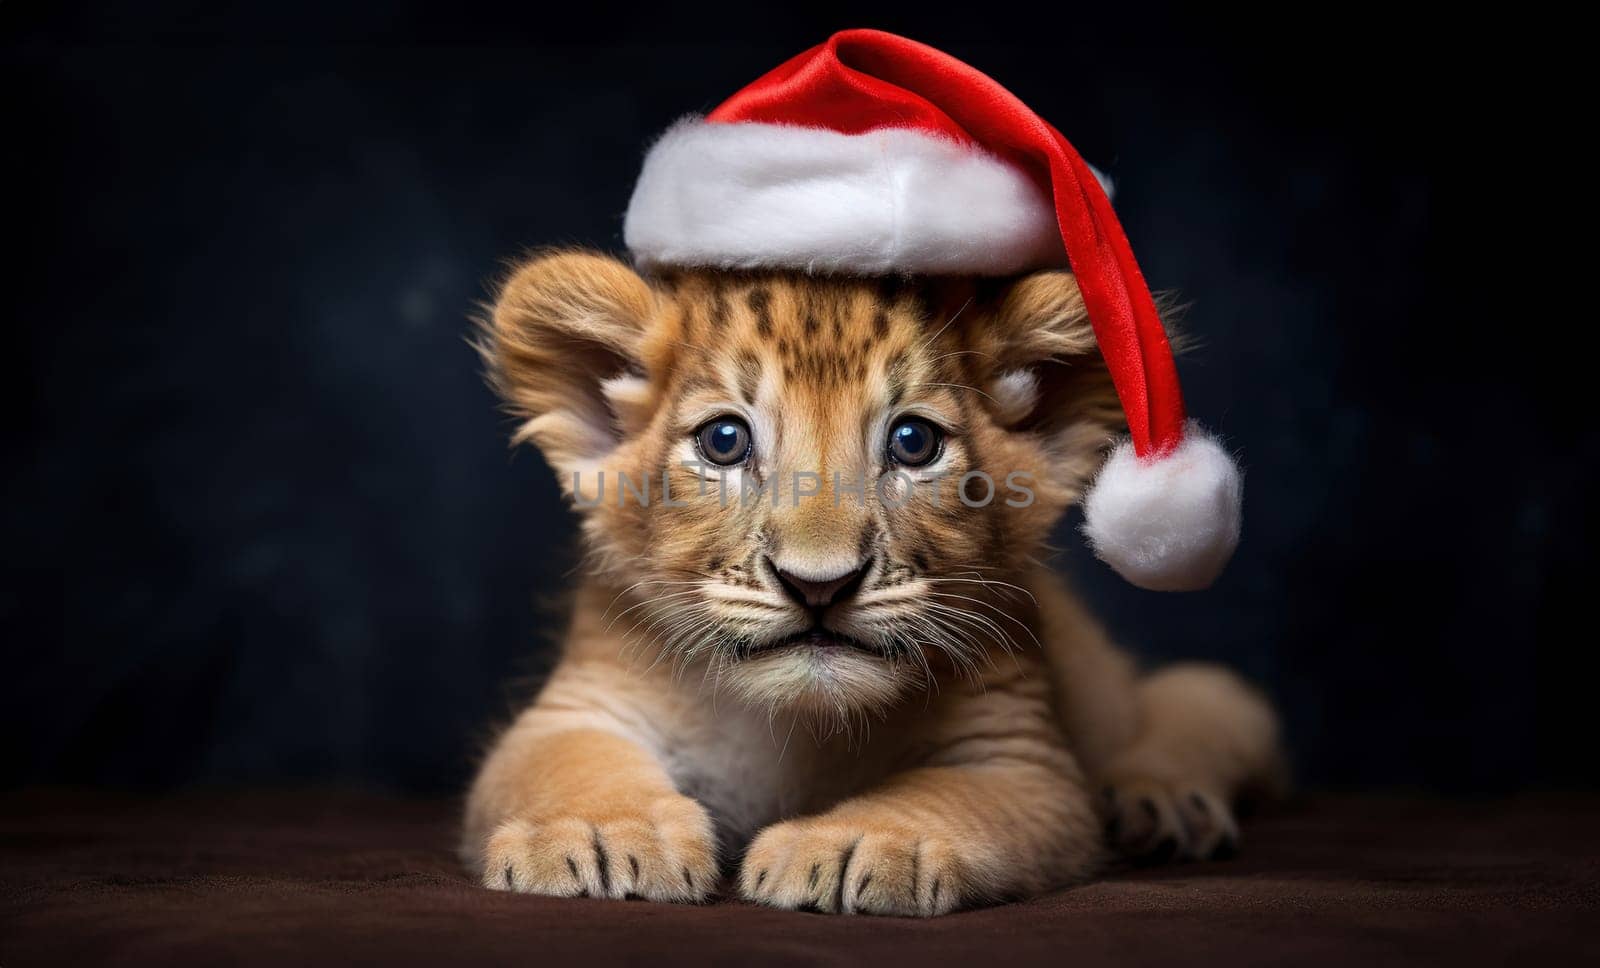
x=824 y=677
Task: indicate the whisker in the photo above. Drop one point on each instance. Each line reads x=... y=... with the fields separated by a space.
x=963 y=386
x=946 y=356
x=935 y=338
x=994 y=582
x=997 y=609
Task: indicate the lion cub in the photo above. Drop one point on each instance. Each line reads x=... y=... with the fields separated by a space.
x=815 y=646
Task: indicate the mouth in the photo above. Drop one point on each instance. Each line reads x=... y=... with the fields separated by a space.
x=816 y=639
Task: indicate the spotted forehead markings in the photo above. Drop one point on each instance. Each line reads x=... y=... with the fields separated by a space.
x=749 y=375
x=899 y=372
x=760 y=302
x=888 y=314
x=719 y=310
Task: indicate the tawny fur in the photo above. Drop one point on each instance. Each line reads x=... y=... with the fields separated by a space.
x=987 y=742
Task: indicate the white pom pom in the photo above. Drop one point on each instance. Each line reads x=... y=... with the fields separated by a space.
x=1169 y=525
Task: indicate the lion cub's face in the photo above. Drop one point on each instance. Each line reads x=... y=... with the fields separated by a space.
x=822 y=488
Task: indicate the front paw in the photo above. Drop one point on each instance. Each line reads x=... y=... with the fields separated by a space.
x=662 y=851
x=1153 y=821
x=852 y=867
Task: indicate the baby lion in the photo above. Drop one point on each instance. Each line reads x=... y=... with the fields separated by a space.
x=863 y=689
x=818 y=440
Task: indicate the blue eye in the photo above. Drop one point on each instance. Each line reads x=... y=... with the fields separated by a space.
x=914 y=442
x=725 y=440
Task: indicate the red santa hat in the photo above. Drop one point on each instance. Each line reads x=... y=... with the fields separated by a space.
x=871 y=154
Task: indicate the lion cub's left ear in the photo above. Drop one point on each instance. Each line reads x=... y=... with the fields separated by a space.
x=1047 y=376
x=563 y=347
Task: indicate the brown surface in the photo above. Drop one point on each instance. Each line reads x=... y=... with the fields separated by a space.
x=278 y=879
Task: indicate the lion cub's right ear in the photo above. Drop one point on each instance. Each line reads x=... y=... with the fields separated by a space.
x=563 y=348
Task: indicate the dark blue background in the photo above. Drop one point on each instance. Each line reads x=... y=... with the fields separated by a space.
x=260 y=522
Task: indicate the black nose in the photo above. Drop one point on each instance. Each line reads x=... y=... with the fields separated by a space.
x=820 y=594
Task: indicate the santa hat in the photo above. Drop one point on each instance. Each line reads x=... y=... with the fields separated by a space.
x=872 y=154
